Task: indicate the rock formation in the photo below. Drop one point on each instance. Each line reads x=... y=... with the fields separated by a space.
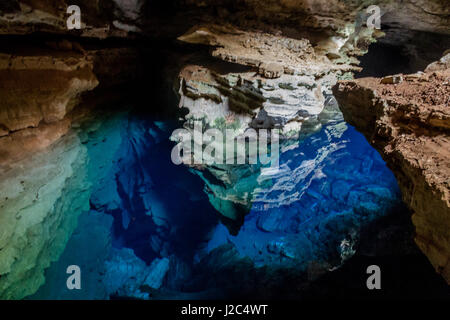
x=408 y=122
x=41 y=157
x=36 y=110
x=301 y=53
x=245 y=64
x=264 y=81
x=41 y=199
x=99 y=19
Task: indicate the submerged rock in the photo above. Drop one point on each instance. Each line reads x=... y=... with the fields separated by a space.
x=266 y=82
x=126 y=275
x=88 y=248
x=314 y=208
x=41 y=199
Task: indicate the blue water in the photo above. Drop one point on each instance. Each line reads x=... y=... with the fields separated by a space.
x=327 y=188
x=310 y=211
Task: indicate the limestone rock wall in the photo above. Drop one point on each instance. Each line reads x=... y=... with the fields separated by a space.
x=426 y=15
x=406 y=118
x=40 y=90
x=256 y=80
x=99 y=18
x=44 y=177
x=41 y=198
x=287 y=55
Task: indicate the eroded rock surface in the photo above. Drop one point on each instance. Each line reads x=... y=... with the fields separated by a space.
x=41 y=199
x=43 y=162
x=408 y=123
x=41 y=87
x=264 y=81
x=99 y=19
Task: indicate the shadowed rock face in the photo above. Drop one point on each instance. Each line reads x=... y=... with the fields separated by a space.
x=409 y=123
x=103 y=18
x=289 y=49
x=424 y=15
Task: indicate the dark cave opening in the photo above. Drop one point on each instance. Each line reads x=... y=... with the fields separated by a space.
x=382 y=60
x=402 y=51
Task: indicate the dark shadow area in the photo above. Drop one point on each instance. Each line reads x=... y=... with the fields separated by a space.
x=405 y=272
x=402 y=51
x=382 y=60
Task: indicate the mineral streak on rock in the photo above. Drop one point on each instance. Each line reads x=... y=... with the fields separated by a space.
x=43 y=163
x=409 y=124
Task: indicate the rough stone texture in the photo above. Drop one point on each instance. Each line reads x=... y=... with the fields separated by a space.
x=284 y=41
x=128 y=276
x=442 y=64
x=265 y=81
x=273 y=54
x=70 y=77
x=327 y=23
x=338 y=28
x=29 y=98
x=426 y=15
x=40 y=89
x=243 y=99
x=408 y=123
x=41 y=198
x=99 y=19
x=43 y=173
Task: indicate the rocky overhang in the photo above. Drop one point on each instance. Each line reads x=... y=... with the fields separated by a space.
x=407 y=119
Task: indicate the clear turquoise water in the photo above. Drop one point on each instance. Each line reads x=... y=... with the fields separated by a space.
x=327 y=188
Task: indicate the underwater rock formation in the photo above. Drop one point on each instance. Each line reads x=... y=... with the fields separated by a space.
x=132 y=180
x=265 y=81
x=284 y=57
x=43 y=171
x=41 y=198
x=281 y=77
x=127 y=275
x=408 y=123
x=88 y=247
x=315 y=195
